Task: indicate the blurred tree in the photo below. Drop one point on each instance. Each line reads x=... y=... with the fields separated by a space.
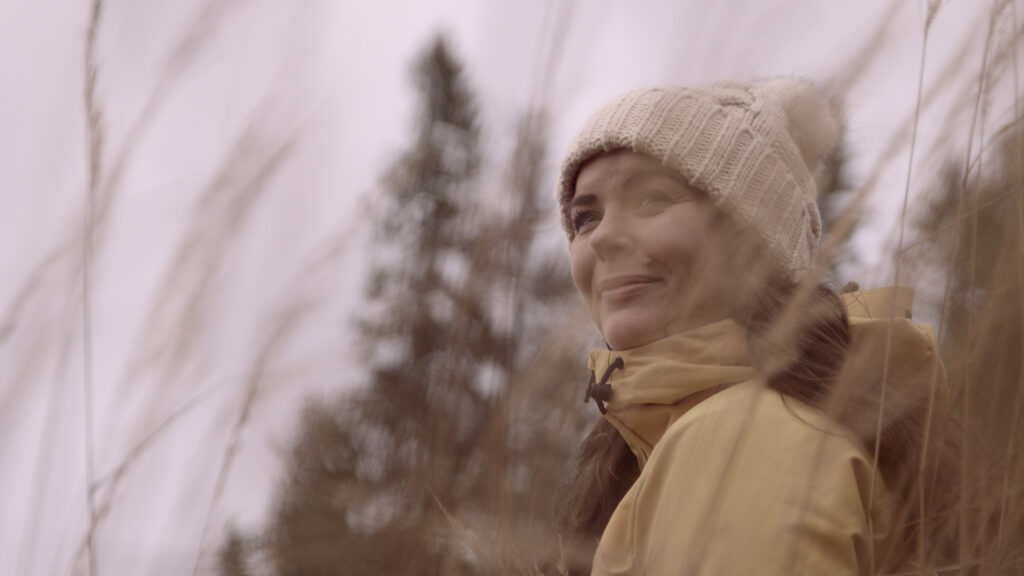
x=448 y=460
x=232 y=561
x=309 y=532
x=969 y=235
x=970 y=260
x=839 y=216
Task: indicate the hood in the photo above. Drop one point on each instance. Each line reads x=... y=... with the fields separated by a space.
x=653 y=385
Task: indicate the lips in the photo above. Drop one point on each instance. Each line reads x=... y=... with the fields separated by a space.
x=624 y=285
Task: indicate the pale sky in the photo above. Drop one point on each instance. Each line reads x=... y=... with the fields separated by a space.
x=332 y=79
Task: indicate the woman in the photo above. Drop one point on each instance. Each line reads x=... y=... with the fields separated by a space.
x=740 y=400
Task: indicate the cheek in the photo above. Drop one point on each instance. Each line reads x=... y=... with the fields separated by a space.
x=682 y=247
x=582 y=268
x=708 y=272
x=692 y=252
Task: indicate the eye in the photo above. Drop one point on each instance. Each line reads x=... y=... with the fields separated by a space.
x=655 y=199
x=584 y=220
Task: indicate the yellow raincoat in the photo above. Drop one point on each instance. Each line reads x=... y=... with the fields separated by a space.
x=735 y=478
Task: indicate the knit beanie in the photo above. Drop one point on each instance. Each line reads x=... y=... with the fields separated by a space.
x=752 y=148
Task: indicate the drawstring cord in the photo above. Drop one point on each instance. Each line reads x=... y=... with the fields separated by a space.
x=601 y=391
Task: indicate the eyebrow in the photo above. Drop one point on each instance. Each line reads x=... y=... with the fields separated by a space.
x=583 y=200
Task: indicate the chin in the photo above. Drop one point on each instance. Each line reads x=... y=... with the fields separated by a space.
x=625 y=337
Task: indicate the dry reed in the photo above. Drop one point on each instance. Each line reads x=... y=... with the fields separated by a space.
x=471 y=504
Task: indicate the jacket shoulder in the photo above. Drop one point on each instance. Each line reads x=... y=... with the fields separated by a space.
x=750 y=482
x=751 y=412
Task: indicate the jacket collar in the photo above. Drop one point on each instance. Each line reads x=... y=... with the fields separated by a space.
x=659 y=382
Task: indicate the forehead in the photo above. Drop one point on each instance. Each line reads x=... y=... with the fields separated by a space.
x=617 y=163
x=620 y=171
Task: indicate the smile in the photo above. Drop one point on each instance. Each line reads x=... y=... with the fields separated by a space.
x=622 y=286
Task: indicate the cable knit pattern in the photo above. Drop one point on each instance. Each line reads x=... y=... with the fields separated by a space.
x=732 y=141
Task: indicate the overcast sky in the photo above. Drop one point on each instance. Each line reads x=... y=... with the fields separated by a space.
x=194 y=278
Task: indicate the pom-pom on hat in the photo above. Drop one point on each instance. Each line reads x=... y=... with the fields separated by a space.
x=753 y=148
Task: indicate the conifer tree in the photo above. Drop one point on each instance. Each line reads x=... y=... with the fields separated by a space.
x=447 y=460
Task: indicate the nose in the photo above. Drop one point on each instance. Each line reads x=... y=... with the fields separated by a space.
x=612 y=236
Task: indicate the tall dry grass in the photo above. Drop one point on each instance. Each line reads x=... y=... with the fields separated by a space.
x=971 y=281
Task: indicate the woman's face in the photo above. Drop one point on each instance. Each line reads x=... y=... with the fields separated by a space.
x=646 y=254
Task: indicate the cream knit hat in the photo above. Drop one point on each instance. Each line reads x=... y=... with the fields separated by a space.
x=753 y=148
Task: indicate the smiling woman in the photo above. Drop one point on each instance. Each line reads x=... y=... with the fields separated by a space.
x=736 y=392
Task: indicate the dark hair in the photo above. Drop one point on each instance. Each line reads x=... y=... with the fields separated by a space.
x=816 y=373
